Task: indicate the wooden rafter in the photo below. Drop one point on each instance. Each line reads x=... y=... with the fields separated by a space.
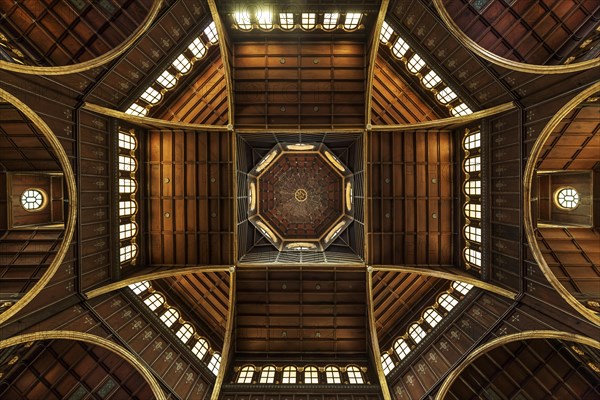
x=373 y=334
x=225 y=354
x=372 y=59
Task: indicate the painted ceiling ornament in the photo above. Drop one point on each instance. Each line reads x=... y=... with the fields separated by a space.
x=300 y=197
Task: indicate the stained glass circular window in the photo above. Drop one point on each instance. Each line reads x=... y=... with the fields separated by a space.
x=567 y=198
x=32 y=199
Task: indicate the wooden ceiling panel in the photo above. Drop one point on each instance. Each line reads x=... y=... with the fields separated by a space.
x=189 y=200
x=301 y=312
x=411 y=197
x=395 y=101
x=68 y=32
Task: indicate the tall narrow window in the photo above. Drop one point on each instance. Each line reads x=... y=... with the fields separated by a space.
x=462 y=287
x=309 y=20
x=386 y=33
x=197 y=48
x=286 y=21
x=139 y=287
x=352 y=20
x=185 y=332
x=416 y=333
x=311 y=375
x=200 y=348
x=215 y=363
x=387 y=363
x=354 y=375
x=330 y=20
x=267 y=374
x=154 y=301
x=169 y=317
x=432 y=317
x=400 y=48
x=332 y=374
x=246 y=374
x=211 y=33
x=127 y=252
x=401 y=348
x=447 y=301
x=182 y=64
x=289 y=374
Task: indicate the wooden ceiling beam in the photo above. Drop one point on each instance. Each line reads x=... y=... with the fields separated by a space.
x=453 y=274
x=373 y=52
x=226 y=354
x=385 y=390
x=450 y=122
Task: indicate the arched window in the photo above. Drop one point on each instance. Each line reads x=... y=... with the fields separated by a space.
x=139 y=287
x=352 y=20
x=416 y=333
x=473 y=188
x=461 y=109
x=182 y=64
x=432 y=317
x=354 y=375
x=127 y=230
x=265 y=18
x=472 y=140
x=127 y=164
x=311 y=375
x=167 y=80
x=246 y=374
x=128 y=207
x=447 y=301
x=473 y=164
x=215 y=363
x=462 y=288
x=431 y=80
x=415 y=64
x=32 y=199
x=127 y=141
x=169 y=317
x=151 y=95
x=473 y=210
x=242 y=19
x=185 y=332
x=154 y=301
x=200 y=348
x=289 y=374
x=211 y=33
x=386 y=33
x=473 y=233
x=400 y=48
x=401 y=348
x=332 y=374
x=446 y=95
x=267 y=374
x=567 y=198
x=197 y=48
x=473 y=256
x=308 y=20
x=387 y=363
x=330 y=20
x=286 y=21
x=127 y=253
x=127 y=185
x=137 y=110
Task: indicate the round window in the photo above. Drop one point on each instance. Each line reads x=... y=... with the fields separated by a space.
x=33 y=199
x=567 y=198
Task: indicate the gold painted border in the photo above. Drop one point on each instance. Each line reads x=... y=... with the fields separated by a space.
x=527 y=188
x=372 y=59
x=229 y=328
x=500 y=341
x=385 y=390
x=153 y=276
x=94 y=340
x=94 y=62
x=450 y=121
x=148 y=121
x=449 y=274
x=69 y=177
x=504 y=62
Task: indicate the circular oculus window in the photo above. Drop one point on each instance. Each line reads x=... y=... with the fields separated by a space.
x=567 y=198
x=33 y=199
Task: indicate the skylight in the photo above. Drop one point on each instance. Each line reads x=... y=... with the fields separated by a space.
x=352 y=20
x=330 y=20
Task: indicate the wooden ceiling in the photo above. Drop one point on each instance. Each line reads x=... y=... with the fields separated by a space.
x=60 y=369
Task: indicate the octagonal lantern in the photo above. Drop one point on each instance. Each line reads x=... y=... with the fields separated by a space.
x=300 y=197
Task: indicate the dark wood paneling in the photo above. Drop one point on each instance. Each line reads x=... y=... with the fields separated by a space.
x=299 y=84
x=198 y=198
x=410 y=193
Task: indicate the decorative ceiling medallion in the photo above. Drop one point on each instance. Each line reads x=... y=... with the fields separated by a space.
x=300 y=197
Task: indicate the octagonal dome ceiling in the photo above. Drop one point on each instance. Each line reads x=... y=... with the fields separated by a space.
x=300 y=196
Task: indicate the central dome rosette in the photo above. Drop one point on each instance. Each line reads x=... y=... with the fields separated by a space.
x=300 y=196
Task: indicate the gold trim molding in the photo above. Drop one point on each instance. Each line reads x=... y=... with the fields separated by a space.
x=153 y=276
x=385 y=390
x=69 y=177
x=469 y=43
x=372 y=58
x=500 y=341
x=530 y=170
x=94 y=62
x=150 y=122
x=228 y=337
x=449 y=274
x=93 y=340
x=450 y=122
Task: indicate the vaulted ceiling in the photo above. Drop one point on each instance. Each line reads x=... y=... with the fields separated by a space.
x=517 y=63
